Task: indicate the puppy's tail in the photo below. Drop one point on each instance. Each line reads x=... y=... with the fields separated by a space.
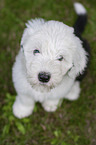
x=81 y=21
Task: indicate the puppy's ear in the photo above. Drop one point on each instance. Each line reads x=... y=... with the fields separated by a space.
x=79 y=61
x=26 y=34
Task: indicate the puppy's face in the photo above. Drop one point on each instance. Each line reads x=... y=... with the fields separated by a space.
x=50 y=55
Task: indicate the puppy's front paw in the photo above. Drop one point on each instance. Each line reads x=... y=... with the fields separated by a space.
x=21 y=111
x=50 y=106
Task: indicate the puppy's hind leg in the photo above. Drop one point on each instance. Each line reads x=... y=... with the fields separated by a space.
x=74 y=92
x=23 y=106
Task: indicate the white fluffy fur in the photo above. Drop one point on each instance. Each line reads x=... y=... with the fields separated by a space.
x=52 y=39
x=79 y=8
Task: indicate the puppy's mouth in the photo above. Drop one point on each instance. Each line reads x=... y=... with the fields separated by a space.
x=46 y=87
x=46 y=84
x=42 y=87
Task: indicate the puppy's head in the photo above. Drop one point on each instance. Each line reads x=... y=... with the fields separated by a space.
x=51 y=52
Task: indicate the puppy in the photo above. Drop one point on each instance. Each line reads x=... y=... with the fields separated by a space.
x=50 y=64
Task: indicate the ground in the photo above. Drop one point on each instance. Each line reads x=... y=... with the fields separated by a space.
x=74 y=123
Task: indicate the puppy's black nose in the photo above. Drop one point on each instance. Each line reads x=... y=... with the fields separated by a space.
x=44 y=77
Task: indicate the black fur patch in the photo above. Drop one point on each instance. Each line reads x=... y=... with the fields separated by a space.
x=78 y=29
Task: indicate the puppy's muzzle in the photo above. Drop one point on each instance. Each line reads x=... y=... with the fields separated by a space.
x=44 y=77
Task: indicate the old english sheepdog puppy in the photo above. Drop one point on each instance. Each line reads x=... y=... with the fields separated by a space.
x=51 y=63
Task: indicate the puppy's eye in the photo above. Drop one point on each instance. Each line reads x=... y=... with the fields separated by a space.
x=60 y=58
x=36 y=51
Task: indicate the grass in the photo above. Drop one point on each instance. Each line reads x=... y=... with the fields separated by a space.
x=74 y=123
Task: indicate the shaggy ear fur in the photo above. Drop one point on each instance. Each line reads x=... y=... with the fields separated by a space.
x=79 y=60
